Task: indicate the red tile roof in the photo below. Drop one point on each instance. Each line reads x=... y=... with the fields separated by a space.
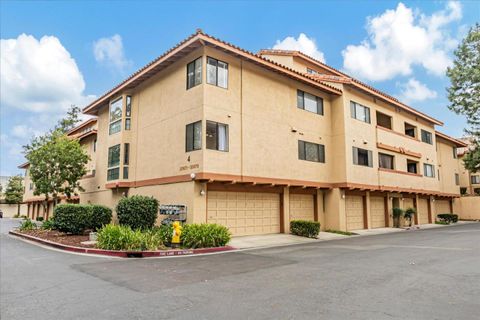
x=457 y=142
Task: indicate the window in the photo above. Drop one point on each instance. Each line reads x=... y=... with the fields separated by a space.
x=309 y=102
x=410 y=130
x=477 y=191
x=311 y=151
x=95 y=145
x=362 y=157
x=360 y=112
x=412 y=166
x=193 y=136
x=311 y=71
x=126 y=159
x=113 y=172
x=427 y=137
x=385 y=161
x=194 y=73
x=116 y=116
x=217 y=72
x=31 y=186
x=217 y=136
x=428 y=170
x=384 y=121
x=475 y=179
x=455 y=153
x=463 y=191
x=457 y=179
x=128 y=112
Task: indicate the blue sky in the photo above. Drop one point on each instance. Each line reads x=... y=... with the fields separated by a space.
x=59 y=53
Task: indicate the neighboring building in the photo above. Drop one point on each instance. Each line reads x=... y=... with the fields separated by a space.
x=253 y=141
x=86 y=133
x=469 y=182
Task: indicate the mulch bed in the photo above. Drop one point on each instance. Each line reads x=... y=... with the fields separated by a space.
x=59 y=237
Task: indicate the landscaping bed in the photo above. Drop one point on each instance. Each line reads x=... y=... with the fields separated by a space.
x=59 y=237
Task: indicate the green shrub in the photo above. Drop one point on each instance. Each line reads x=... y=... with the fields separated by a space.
x=345 y=233
x=448 y=217
x=98 y=217
x=204 y=235
x=114 y=237
x=397 y=213
x=441 y=222
x=137 y=212
x=16 y=216
x=305 y=228
x=71 y=218
x=39 y=219
x=165 y=232
x=27 y=225
x=409 y=213
x=454 y=218
x=48 y=224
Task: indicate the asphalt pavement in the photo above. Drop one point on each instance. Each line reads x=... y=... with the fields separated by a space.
x=424 y=274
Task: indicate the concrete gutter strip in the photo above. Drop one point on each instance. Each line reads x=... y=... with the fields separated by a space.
x=123 y=254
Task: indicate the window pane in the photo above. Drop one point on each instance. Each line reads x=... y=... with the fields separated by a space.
x=128 y=107
x=113 y=174
x=211 y=71
x=126 y=153
x=222 y=80
x=412 y=167
x=222 y=137
x=198 y=71
x=300 y=103
x=363 y=157
x=211 y=135
x=127 y=124
x=360 y=113
x=116 y=110
x=125 y=172
x=190 y=75
x=322 y=153
x=189 y=137
x=114 y=156
x=319 y=105
x=310 y=102
x=385 y=161
x=115 y=127
x=197 y=135
x=311 y=152
x=301 y=150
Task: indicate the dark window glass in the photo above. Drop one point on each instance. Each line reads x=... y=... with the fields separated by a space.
x=126 y=153
x=412 y=166
x=113 y=174
x=384 y=121
x=385 y=161
x=362 y=157
x=455 y=153
x=309 y=102
x=475 y=179
x=127 y=124
x=410 y=130
x=427 y=137
x=457 y=179
x=193 y=136
x=125 y=172
x=217 y=136
x=95 y=145
x=311 y=151
x=194 y=73
x=114 y=156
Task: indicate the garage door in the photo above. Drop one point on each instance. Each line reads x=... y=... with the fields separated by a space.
x=302 y=207
x=422 y=211
x=408 y=203
x=245 y=213
x=377 y=212
x=354 y=212
x=442 y=206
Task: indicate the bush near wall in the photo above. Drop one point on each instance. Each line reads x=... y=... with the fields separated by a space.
x=304 y=228
x=448 y=217
x=76 y=218
x=137 y=212
x=204 y=235
x=115 y=237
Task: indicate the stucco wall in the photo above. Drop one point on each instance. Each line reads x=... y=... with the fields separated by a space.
x=467 y=208
x=9 y=210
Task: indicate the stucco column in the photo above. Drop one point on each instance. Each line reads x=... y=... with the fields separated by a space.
x=319 y=208
x=431 y=209
x=198 y=214
x=367 y=210
x=335 y=217
x=285 y=210
x=416 y=208
x=389 y=210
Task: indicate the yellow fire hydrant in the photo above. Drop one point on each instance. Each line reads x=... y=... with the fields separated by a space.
x=177 y=232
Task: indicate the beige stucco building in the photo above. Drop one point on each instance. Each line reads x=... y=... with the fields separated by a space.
x=253 y=141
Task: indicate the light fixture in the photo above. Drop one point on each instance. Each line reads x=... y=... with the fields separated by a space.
x=202 y=192
x=192 y=175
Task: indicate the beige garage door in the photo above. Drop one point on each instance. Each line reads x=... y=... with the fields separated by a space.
x=354 y=212
x=302 y=207
x=407 y=203
x=377 y=212
x=422 y=211
x=245 y=213
x=442 y=206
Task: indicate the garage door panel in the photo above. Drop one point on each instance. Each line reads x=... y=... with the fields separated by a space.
x=422 y=211
x=245 y=212
x=354 y=212
x=302 y=207
x=377 y=212
x=442 y=206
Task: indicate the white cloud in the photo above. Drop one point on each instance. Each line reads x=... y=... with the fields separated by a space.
x=39 y=75
x=110 y=52
x=303 y=43
x=400 y=39
x=414 y=90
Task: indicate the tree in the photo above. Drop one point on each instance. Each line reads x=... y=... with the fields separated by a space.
x=14 y=191
x=464 y=91
x=57 y=162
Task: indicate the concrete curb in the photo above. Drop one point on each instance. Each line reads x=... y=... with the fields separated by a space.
x=123 y=254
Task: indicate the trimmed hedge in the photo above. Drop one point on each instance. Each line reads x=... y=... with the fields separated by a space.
x=448 y=217
x=76 y=218
x=304 y=228
x=204 y=235
x=137 y=212
x=115 y=237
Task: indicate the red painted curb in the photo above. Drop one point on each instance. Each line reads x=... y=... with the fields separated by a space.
x=122 y=254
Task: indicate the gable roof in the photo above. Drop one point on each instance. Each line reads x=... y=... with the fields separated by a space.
x=191 y=43
x=456 y=142
x=344 y=78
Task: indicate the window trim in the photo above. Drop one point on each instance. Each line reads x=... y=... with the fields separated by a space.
x=425 y=165
x=415 y=130
x=320 y=151
x=386 y=115
x=319 y=100
x=422 y=131
x=353 y=112
x=194 y=70
x=193 y=137
x=227 y=134
x=216 y=72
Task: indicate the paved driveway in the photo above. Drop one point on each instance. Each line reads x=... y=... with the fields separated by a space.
x=426 y=274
